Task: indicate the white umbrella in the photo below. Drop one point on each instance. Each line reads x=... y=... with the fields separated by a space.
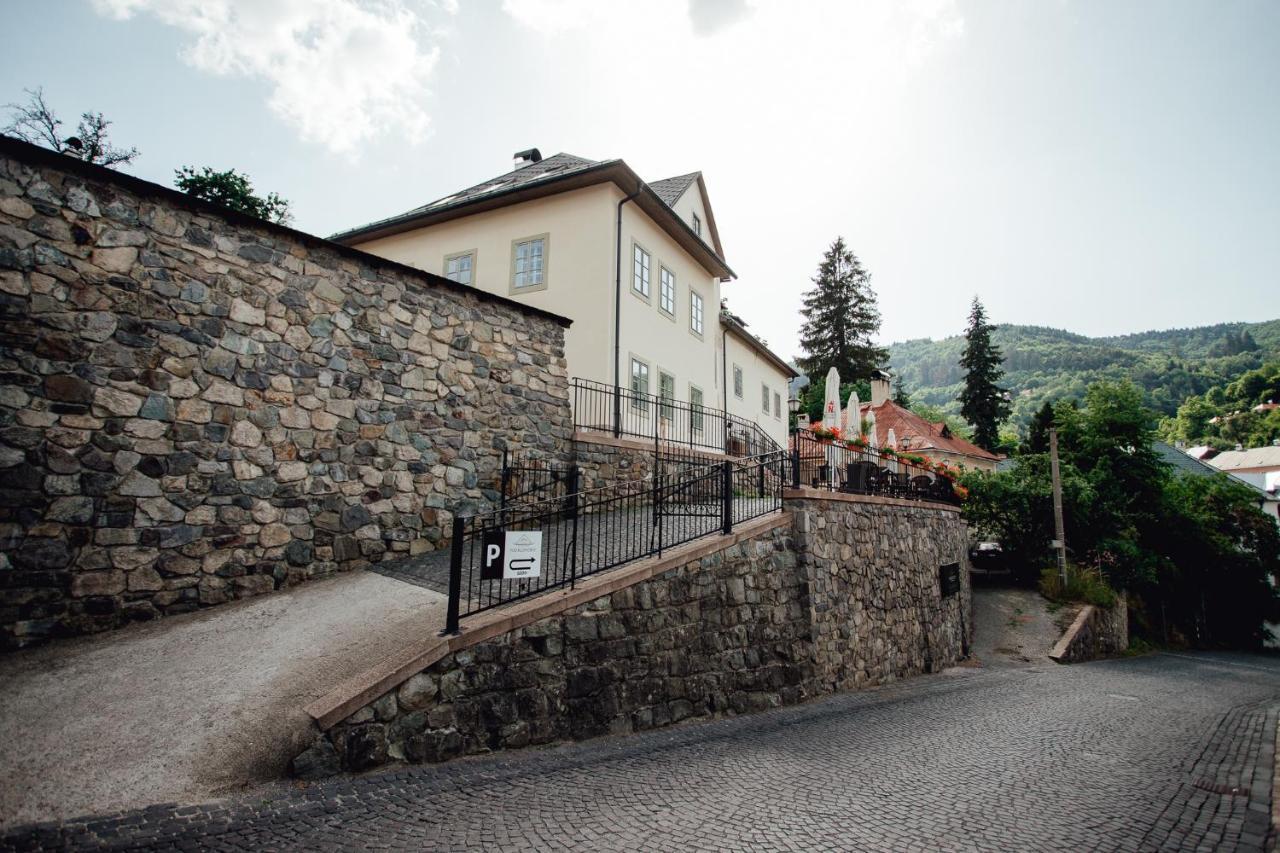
x=891 y=441
x=853 y=412
x=831 y=409
x=872 y=440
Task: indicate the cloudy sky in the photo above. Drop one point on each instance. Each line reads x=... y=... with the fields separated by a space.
x=1103 y=166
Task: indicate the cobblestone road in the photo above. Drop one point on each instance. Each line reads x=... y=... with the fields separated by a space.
x=1162 y=752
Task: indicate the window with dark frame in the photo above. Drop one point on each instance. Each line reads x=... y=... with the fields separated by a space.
x=667 y=290
x=666 y=394
x=695 y=408
x=639 y=385
x=640 y=272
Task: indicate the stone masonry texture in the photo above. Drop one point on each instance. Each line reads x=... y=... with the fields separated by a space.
x=846 y=596
x=1099 y=632
x=196 y=407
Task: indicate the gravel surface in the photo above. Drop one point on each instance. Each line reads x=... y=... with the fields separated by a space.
x=1163 y=752
x=190 y=706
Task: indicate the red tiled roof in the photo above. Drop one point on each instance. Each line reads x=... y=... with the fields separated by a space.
x=915 y=433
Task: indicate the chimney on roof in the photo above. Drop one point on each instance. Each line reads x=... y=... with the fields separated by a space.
x=526 y=157
x=879 y=387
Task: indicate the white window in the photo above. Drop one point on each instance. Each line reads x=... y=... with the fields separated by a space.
x=667 y=394
x=529 y=263
x=764 y=398
x=640 y=271
x=777 y=404
x=695 y=312
x=695 y=408
x=737 y=382
x=697 y=225
x=667 y=290
x=639 y=385
x=459 y=267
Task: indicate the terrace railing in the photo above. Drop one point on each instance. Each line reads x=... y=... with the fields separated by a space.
x=598 y=407
x=579 y=533
x=823 y=464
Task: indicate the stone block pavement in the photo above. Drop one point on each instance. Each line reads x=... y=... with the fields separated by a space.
x=1164 y=752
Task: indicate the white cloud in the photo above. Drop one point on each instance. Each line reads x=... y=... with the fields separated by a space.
x=342 y=72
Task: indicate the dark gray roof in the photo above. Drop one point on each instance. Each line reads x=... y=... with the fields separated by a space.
x=1184 y=464
x=670 y=189
x=551 y=168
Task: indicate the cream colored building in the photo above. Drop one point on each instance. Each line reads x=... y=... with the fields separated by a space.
x=637 y=266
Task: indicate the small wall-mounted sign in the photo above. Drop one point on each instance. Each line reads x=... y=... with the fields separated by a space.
x=510 y=554
x=949 y=578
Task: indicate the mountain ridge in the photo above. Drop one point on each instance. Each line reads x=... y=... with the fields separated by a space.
x=1044 y=363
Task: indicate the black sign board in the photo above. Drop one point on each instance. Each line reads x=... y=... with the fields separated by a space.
x=949 y=578
x=492 y=542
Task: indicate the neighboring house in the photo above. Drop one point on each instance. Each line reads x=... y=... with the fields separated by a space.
x=1259 y=466
x=916 y=435
x=1182 y=461
x=638 y=267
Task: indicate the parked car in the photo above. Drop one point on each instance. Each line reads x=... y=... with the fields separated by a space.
x=987 y=558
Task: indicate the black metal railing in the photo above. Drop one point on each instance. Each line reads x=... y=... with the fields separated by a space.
x=823 y=464
x=529 y=478
x=598 y=407
x=580 y=533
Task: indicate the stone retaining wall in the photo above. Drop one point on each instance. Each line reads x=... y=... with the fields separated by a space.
x=1096 y=632
x=196 y=406
x=876 y=601
x=846 y=595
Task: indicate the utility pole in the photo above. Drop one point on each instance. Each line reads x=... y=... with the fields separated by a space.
x=1059 y=542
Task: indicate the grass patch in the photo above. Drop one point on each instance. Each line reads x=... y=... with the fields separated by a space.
x=1084 y=585
x=1139 y=646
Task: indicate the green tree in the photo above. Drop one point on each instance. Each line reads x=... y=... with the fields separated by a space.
x=1194 y=552
x=232 y=190
x=35 y=122
x=1038 y=430
x=840 y=318
x=900 y=395
x=814 y=396
x=983 y=402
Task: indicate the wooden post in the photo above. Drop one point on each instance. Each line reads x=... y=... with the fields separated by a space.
x=1059 y=533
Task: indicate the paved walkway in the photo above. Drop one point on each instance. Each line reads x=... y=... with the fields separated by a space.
x=1156 y=753
x=191 y=706
x=1015 y=627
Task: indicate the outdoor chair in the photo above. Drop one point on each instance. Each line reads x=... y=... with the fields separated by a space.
x=860 y=477
x=921 y=485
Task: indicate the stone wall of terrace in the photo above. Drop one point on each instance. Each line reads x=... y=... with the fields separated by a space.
x=196 y=406
x=840 y=592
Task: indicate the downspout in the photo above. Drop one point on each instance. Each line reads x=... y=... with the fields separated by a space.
x=617 y=320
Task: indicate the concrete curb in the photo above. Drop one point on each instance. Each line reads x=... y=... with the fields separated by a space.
x=1063 y=646
x=417 y=655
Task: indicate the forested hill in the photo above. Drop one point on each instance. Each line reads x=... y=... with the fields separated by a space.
x=1044 y=363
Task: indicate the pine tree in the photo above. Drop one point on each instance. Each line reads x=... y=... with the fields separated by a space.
x=983 y=403
x=900 y=395
x=840 y=316
x=1038 y=430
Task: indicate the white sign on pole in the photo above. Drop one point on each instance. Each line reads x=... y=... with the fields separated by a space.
x=522 y=554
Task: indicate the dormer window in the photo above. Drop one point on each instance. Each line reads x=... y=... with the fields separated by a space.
x=697 y=225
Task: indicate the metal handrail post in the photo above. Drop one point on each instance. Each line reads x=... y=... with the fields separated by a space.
x=455 y=577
